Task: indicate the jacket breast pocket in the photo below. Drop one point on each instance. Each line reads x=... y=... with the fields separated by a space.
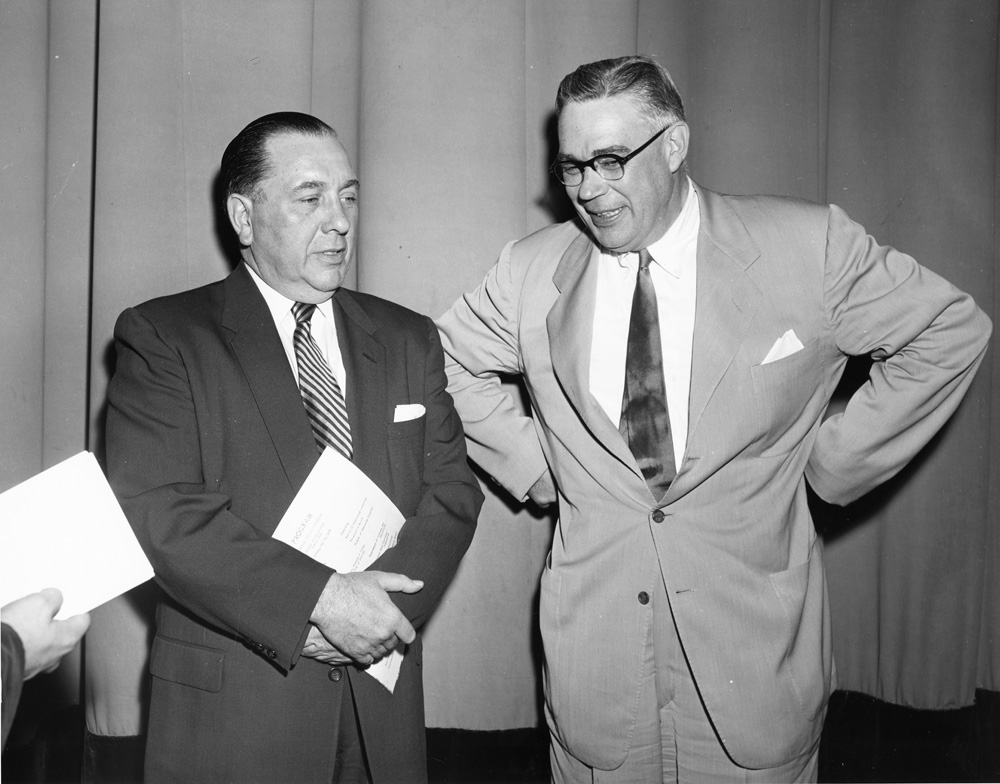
x=187 y=664
x=782 y=392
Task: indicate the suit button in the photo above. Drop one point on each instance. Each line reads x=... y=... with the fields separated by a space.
x=335 y=674
x=658 y=516
x=643 y=597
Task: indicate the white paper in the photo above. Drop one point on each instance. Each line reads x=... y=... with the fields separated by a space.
x=341 y=518
x=64 y=529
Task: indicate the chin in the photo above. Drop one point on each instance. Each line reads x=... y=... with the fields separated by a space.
x=611 y=240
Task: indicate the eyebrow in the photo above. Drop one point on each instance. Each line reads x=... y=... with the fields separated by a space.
x=320 y=184
x=618 y=149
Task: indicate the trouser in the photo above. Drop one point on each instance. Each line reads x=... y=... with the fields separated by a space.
x=674 y=740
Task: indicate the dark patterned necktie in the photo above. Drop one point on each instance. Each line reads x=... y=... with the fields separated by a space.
x=321 y=393
x=645 y=424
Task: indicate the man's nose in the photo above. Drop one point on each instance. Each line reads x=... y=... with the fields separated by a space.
x=336 y=219
x=592 y=185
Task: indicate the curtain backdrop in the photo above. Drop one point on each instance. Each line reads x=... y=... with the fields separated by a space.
x=114 y=117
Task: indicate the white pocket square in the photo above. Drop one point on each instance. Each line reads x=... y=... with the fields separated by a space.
x=783 y=347
x=407 y=411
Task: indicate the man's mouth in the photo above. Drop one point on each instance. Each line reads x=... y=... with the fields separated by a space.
x=606 y=217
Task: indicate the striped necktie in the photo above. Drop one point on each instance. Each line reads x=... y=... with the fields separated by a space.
x=321 y=393
x=645 y=423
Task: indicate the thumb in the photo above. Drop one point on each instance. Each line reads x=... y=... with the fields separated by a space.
x=53 y=599
x=392 y=582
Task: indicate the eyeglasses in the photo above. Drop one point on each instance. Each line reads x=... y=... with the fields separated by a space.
x=610 y=167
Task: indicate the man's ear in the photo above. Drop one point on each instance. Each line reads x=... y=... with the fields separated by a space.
x=677 y=145
x=240 y=211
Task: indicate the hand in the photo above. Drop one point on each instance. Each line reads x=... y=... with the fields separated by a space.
x=319 y=648
x=44 y=639
x=357 y=618
x=543 y=492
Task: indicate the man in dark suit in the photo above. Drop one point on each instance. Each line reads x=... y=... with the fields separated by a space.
x=259 y=652
x=680 y=348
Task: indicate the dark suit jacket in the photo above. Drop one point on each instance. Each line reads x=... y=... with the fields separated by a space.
x=208 y=442
x=13 y=675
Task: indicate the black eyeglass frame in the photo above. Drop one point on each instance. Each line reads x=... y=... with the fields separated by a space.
x=557 y=167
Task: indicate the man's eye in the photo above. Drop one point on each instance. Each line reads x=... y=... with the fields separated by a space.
x=310 y=199
x=608 y=165
x=350 y=198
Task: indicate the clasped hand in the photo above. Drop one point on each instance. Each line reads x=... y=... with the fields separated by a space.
x=355 y=621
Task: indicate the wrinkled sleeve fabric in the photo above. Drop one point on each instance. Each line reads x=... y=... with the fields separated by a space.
x=480 y=338
x=926 y=339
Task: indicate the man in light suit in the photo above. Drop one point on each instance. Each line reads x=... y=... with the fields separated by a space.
x=679 y=349
x=257 y=664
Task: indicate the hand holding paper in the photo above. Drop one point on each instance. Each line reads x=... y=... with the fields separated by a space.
x=342 y=519
x=44 y=639
x=354 y=613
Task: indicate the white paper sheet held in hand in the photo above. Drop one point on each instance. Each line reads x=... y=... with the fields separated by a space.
x=64 y=529
x=341 y=518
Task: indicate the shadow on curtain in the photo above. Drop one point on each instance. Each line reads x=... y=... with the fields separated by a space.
x=115 y=116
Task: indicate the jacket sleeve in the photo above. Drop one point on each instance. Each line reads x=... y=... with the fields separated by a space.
x=431 y=542
x=13 y=676
x=926 y=339
x=229 y=572
x=480 y=338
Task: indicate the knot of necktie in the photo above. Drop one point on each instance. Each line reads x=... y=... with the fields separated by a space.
x=303 y=311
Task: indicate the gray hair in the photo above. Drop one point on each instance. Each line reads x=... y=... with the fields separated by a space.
x=639 y=76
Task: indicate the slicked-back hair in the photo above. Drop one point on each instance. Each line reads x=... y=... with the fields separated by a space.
x=638 y=76
x=245 y=162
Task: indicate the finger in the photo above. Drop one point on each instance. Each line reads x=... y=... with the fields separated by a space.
x=53 y=598
x=404 y=630
x=77 y=624
x=390 y=581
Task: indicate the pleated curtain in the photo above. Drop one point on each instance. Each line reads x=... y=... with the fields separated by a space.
x=113 y=118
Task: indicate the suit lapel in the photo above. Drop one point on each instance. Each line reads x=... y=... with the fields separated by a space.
x=367 y=382
x=727 y=300
x=258 y=349
x=570 y=325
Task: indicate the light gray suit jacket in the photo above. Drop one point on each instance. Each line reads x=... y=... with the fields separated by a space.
x=736 y=548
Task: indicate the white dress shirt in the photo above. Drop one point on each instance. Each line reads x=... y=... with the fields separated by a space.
x=673 y=273
x=322 y=326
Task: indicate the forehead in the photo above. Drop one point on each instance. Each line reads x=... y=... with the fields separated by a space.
x=295 y=158
x=601 y=124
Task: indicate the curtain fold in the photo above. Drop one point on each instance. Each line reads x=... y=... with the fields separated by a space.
x=116 y=115
x=907 y=146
